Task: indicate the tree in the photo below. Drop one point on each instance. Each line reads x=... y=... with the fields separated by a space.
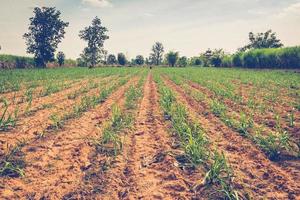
x=262 y=40
x=139 y=60
x=195 y=61
x=122 y=59
x=60 y=58
x=172 y=58
x=216 y=57
x=111 y=59
x=206 y=57
x=95 y=35
x=182 y=61
x=157 y=53
x=46 y=30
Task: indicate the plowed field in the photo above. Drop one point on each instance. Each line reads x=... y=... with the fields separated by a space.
x=134 y=133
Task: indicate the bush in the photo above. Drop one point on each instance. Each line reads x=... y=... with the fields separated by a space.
x=11 y=61
x=288 y=57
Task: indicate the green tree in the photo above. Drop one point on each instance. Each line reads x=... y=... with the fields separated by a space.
x=216 y=57
x=157 y=53
x=60 y=58
x=139 y=60
x=172 y=58
x=46 y=30
x=182 y=61
x=111 y=59
x=262 y=41
x=122 y=59
x=206 y=57
x=95 y=35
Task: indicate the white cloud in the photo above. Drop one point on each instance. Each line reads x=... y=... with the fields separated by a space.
x=98 y=3
x=291 y=10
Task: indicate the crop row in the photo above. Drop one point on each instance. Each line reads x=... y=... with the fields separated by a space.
x=193 y=139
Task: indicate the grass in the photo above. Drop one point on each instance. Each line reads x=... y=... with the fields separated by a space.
x=12 y=164
x=8 y=119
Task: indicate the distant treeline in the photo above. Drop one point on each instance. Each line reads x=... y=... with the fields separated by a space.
x=21 y=62
x=288 y=57
x=284 y=58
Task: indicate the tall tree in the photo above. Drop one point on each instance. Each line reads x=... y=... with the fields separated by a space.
x=262 y=40
x=122 y=59
x=60 y=58
x=172 y=58
x=157 y=53
x=95 y=35
x=111 y=59
x=139 y=60
x=46 y=30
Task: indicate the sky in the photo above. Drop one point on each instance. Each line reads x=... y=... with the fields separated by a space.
x=187 y=26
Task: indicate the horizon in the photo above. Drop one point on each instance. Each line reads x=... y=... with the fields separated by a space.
x=134 y=26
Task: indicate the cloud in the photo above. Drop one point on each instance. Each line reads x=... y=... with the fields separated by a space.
x=97 y=3
x=292 y=10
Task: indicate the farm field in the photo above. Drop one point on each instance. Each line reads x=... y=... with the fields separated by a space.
x=136 y=133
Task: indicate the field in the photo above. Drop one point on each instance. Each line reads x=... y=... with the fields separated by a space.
x=135 y=133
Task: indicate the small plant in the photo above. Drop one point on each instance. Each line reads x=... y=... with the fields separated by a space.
x=217 y=108
x=244 y=124
x=12 y=164
x=56 y=122
x=8 y=120
x=291 y=119
x=29 y=97
x=220 y=174
x=273 y=143
x=110 y=137
x=132 y=96
x=167 y=99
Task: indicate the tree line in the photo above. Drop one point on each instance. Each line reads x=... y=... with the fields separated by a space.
x=46 y=30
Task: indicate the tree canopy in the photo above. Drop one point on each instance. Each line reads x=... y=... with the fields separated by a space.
x=60 y=58
x=111 y=59
x=122 y=59
x=172 y=58
x=46 y=30
x=262 y=41
x=95 y=35
x=139 y=60
x=157 y=53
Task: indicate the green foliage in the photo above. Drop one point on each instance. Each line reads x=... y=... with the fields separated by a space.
x=262 y=41
x=132 y=95
x=156 y=56
x=139 y=60
x=12 y=164
x=60 y=58
x=182 y=61
x=7 y=119
x=95 y=36
x=122 y=59
x=273 y=143
x=46 y=30
x=11 y=61
x=288 y=57
x=111 y=59
x=172 y=58
x=220 y=173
